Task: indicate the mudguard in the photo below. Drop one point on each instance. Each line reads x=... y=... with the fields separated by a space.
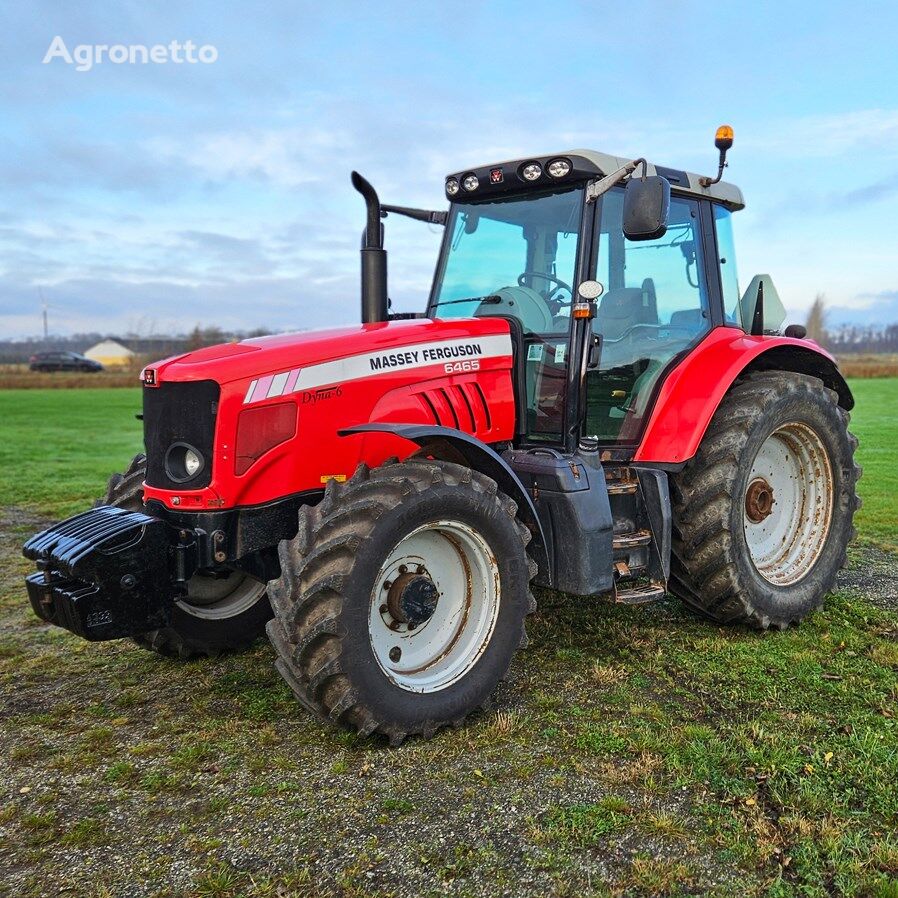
x=692 y=391
x=480 y=457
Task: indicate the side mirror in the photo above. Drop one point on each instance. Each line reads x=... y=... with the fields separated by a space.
x=646 y=207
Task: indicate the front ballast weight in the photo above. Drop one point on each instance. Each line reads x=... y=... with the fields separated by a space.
x=108 y=573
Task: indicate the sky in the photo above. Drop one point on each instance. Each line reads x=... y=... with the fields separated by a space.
x=151 y=197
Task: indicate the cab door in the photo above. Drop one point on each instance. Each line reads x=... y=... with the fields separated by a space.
x=654 y=308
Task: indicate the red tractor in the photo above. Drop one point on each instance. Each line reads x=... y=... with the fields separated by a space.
x=587 y=403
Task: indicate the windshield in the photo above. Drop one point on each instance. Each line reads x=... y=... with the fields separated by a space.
x=512 y=257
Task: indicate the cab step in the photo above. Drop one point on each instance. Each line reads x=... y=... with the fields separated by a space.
x=621 y=487
x=639 y=594
x=631 y=540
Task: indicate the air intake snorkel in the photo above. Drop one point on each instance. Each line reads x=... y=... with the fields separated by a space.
x=374 y=257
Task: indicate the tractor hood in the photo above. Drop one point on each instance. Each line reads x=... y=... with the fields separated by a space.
x=264 y=356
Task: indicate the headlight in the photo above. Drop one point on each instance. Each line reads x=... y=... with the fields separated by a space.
x=558 y=168
x=470 y=183
x=183 y=462
x=451 y=186
x=532 y=171
x=192 y=462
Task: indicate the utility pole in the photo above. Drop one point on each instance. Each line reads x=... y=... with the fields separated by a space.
x=44 y=304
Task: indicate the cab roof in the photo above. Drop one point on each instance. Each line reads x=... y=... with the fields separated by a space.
x=505 y=177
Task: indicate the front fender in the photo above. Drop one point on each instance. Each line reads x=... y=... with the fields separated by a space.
x=478 y=456
x=692 y=391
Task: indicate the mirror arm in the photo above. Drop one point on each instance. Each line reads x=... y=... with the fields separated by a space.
x=595 y=189
x=426 y=215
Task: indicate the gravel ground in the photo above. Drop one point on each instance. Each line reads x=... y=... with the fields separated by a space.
x=130 y=775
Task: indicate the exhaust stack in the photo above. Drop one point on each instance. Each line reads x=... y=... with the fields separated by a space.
x=374 y=257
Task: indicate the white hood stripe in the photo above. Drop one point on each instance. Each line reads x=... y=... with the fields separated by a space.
x=372 y=364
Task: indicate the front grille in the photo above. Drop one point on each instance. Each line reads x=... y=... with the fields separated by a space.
x=179 y=413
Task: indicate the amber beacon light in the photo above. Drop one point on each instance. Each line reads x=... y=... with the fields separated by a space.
x=723 y=140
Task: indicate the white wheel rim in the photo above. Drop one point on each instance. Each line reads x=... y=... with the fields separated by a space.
x=436 y=653
x=788 y=504
x=213 y=598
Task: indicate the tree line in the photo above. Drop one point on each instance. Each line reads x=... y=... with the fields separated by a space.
x=850 y=338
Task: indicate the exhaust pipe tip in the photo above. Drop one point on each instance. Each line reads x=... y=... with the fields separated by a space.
x=372 y=202
x=374 y=257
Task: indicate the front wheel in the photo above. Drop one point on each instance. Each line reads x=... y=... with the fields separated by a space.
x=763 y=512
x=402 y=598
x=222 y=611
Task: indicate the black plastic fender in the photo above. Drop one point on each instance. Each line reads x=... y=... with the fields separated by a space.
x=480 y=457
x=804 y=360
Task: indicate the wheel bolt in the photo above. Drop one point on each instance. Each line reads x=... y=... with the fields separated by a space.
x=383 y=609
x=387 y=584
x=395 y=653
x=403 y=568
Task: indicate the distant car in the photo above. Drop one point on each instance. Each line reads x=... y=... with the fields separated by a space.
x=62 y=361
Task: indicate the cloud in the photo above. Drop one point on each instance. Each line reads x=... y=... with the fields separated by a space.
x=290 y=157
x=224 y=189
x=239 y=254
x=871 y=193
x=828 y=135
x=866 y=309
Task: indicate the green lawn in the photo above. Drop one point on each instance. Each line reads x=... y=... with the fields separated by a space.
x=60 y=446
x=634 y=752
x=875 y=422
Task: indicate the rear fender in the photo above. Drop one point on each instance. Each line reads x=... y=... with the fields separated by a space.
x=693 y=390
x=456 y=446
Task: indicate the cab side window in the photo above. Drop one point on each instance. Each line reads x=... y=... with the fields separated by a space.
x=654 y=306
x=726 y=251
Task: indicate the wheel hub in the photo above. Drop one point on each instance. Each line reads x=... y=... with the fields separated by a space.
x=434 y=605
x=788 y=503
x=412 y=599
x=758 y=500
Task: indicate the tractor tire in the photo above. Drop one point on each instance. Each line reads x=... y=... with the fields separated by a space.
x=423 y=560
x=212 y=619
x=763 y=514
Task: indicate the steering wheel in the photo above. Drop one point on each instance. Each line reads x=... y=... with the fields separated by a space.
x=559 y=286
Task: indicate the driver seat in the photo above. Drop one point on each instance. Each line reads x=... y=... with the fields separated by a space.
x=522 y=303
x=620 y=309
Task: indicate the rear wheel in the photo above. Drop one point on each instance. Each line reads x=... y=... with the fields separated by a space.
x=763 y=512
x=402 y=598
x=225 y=612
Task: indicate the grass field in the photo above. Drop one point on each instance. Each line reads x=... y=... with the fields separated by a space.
x=60 y=446
x=636 y=751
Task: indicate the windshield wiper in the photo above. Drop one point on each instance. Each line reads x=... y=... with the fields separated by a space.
x=428 y=215
x=492 y=300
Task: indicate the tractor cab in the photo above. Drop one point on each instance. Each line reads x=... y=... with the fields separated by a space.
x=523 y=236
